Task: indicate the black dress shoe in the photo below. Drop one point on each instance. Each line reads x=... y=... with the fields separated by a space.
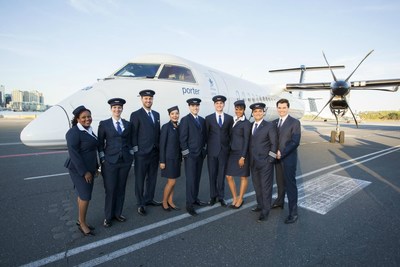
x=291 y=219
x=200 y=203
x=89 y=226
x=262 y=218
x=106 y=223
x=153 y=203
x=120 y=218
x=191 y=211
x=212 y=201
x=222 y=201
x=86 y=234
x=256 y=209
x=141 y=211
x=275 y=206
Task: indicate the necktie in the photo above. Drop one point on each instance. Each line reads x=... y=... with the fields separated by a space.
x=280 y=123
x=119 y=129
x=151 y=117
x=197 y=121
x=255 y=128
x=220 y=121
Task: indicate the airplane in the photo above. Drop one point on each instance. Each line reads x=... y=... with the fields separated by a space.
x=174 y=80
x=340 y=90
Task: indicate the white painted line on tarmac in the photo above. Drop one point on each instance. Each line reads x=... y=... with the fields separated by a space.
x=46 y=176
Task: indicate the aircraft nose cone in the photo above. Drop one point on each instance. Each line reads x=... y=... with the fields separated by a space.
x=48 y=130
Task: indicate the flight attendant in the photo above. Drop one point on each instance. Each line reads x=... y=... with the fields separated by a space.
x=218 y=127
x=289 y=134
x=238 y=162
x=82 y=162
x=192 y=136
x=262 y=152
x=116 y=156
x=146 y=124
x=170 y=157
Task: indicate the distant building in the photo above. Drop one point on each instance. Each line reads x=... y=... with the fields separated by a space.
x=2 y=96
x=27 y=101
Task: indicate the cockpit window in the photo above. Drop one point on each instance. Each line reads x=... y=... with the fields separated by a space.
x=177 y=73
x=138 y=70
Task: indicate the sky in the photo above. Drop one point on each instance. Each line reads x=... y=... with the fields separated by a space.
x=60 y=46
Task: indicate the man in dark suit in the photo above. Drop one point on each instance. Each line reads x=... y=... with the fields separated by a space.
x=289 y=134
x=218 y=127
x=116 y=156
x=262 y=152
x=192 y=137
x=146 y=124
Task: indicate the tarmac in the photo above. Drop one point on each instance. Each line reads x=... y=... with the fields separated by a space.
x=349 y=213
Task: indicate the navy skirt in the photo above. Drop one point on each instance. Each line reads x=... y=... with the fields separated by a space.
x=172 y=169
x=233 y=169
x=82 y=188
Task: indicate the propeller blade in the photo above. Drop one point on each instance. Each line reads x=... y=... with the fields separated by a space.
x=333 y=74
x=354 y=117
x=359 y=65
x=329 y=101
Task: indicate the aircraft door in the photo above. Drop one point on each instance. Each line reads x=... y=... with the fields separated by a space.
x=220 y=87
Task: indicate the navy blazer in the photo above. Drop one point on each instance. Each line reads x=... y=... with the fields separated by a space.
x=218 y=138
x=192 y=136
x=263 y=141
x=146 y=135
x=169 y=143
x=289 y=135
x=112 y=145
x=240 y=137
x=82 y=150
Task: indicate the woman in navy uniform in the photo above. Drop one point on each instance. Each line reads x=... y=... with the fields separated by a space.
x=116 y=156
x=170 y=157
x=82 y=162
x=238 y=163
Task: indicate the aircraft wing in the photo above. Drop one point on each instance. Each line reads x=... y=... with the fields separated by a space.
x=389 y=85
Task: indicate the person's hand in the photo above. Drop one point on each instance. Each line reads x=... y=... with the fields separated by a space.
x=162 y=166
x=278 y=154
x=241 y=162
x=88 y=177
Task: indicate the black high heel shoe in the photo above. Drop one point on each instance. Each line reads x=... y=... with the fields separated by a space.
x=173 y=207
x=86 y=234
x=238 y=207
x=89 y=226
x=166 y=209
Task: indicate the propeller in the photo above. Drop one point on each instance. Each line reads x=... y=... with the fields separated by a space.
x=341 y=87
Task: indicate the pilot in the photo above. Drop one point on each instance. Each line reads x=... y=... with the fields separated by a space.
x=238 y=162
x=192 y=135
x=262 y=151
x=218 y=128
x=116 y=156
x=82 y=162
x=289 y=134
x=146 y=124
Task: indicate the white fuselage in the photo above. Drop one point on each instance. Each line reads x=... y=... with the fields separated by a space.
x=48 y=130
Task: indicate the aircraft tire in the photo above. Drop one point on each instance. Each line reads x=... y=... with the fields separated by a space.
x=341 y=137
x=333 y=137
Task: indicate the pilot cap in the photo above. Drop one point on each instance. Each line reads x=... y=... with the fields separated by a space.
x=116 y=102
x=257 y=106
x=147 y=92
x=172 y=109
x=79 y=110
x=193 y=101
x=240 y=103
x=219 y=98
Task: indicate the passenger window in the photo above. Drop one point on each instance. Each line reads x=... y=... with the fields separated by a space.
x=171 y=72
